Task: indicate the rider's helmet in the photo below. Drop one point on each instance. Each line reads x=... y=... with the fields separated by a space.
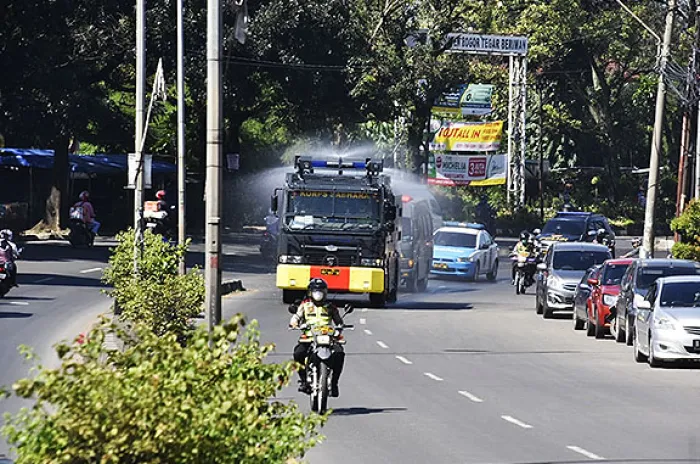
x=536 y=232
x=318 y=290
x=6 y=234
x=524 y=236
x=84 y=195
x=600 y=236
x=160 y=194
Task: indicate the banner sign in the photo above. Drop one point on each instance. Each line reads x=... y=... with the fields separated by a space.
x=468 y=136
x=479 y=170
x=503 y=45
x=448 y=102
x=476 y=101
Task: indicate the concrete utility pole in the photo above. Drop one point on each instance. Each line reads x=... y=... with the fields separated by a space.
x=696 y=70
x=212 y=269
x=181 y=163
x=140 y=87
x=647 y=250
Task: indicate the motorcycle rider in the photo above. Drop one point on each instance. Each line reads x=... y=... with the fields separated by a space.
x=8 y=254
x=524 y=247
x=88 y=212
x=315 y=311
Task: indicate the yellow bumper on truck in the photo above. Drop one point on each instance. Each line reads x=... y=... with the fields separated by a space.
x=339 y=279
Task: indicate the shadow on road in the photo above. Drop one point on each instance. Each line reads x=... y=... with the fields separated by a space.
x=364 y=411
x=561 y=316
x=40 y=252
x=14 y=314
x=430 y=306
x=473 y=351
x=59 y=280
x=29 y=298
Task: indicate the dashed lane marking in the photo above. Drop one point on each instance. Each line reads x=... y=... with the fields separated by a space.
x=368 y=332
x=586 y=453
x=45 y=279
x=515 y=421
x=404 y=360
x=468 y=395
x=433 y=376
x=363 y=321
x=382 y=344
x=88 y=271
x=19 y=303
x=363 y=310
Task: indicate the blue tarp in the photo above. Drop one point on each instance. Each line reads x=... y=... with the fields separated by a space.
x=88 y=164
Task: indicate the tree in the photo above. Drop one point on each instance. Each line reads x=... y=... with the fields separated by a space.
x=159 y=402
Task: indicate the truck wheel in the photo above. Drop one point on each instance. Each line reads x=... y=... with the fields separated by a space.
x=494 y=272
x=377 y=300
x=290 y=296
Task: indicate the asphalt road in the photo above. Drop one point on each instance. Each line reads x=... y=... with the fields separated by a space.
x=466 y=372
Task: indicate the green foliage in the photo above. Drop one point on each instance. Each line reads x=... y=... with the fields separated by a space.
x=688 y=226
x=159 y=297
x=160 y=403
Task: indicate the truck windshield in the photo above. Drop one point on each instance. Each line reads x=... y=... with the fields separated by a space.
x=324 y=210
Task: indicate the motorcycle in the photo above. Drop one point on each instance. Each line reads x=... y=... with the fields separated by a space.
x=5 y=278
x=524 y=272
x=319 y=372
x=80 y=234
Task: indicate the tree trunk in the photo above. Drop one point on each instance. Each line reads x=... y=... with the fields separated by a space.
x=56 y=209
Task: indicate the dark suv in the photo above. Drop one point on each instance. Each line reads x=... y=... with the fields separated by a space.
x=576 y=227
x=635 y=285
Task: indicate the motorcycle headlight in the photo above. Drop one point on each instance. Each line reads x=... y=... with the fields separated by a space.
x=372 y=262
x=609 y=300
x=664 y=323
x=290 y=259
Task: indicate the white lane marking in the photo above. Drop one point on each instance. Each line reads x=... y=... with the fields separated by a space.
x=382 y=344
x=515 y=421
x=433 y=376
x=474 y=398
x=364 y=310
x=45 y=279
x=588 y=454
x=19 y=303
x=88 y=271
x=368 y=332
x=404 y=360
x=363 y=321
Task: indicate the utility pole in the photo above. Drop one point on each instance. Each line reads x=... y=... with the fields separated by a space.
x=212 y=269
x=539 y=146
x=647 y=250
x=695 y=71
x=181 y=163
x=140 y=86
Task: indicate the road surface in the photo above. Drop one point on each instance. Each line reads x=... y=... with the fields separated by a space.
x=466 y=372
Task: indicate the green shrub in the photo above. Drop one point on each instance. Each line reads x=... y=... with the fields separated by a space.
x=688 y=226
x=160 y=403
x=158 y=297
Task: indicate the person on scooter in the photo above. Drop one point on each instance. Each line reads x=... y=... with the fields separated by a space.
x=316 y=311
x=524 y=247
x=8 y=254
x=88 y=212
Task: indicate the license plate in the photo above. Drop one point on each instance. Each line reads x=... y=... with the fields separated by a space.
x=440 y=266
x=323 y=339
x=2 y=276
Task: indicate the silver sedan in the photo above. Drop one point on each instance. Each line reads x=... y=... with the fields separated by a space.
x=667 y=327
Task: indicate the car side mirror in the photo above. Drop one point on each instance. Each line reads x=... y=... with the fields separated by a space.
x=274 y=203
x=484 y=246
x=592 y=233
x=593 y=282
x=349 y=309
x=542 y=267
x=292 y=308
x=644 y=304
x=390 y=213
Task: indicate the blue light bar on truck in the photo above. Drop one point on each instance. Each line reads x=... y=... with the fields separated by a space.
x=307 y=164
x=335 y=164
x=467 y=225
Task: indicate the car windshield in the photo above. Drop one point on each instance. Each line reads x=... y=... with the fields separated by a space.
x=575 y=260
x=648 y=275
x=333 y=210
x=681 y=294
x=613 y=274
x=455 y=239
x=564 y=227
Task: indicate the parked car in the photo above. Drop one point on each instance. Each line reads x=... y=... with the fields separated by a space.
x=634 y=286
x=668 y=321
x=582 y=297
x=416 y=246
x=575 y=227
x=464 y=250
x=560 y=273
x=605 y=291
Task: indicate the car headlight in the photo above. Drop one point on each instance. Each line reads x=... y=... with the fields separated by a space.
x=290 y=259
x=664 y=323
x=467 y=259
x=609 y=300
x=555 y=283
x=372 y=262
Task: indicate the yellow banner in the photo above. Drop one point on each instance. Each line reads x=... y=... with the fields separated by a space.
x=468 y=136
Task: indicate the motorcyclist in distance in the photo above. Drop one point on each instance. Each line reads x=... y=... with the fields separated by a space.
x=524 y=247
x=88 y=216
x=316 y=311
x=8 y=254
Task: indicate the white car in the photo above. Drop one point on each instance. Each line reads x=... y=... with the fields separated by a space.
x=667 y=327
x=464 y=250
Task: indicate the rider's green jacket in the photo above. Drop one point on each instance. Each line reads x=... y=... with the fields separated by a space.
x=316 y=315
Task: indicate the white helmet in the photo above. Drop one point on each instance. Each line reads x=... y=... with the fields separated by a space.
x=6 y=234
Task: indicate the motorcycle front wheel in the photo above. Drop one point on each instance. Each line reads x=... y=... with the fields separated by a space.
x=518 y=279
x=319 y=397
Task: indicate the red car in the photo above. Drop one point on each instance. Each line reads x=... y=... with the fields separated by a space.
x=605 y=288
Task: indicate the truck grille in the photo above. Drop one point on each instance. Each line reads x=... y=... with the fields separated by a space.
x=322 y=258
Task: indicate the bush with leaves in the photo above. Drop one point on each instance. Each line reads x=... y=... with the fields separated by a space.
x=688 y=226
x=158 y=297
x=157 y=402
